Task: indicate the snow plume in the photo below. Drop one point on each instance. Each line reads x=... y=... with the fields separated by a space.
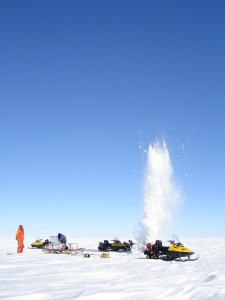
x=160 y=194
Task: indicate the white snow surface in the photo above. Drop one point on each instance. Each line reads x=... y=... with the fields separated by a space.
x=38 y=276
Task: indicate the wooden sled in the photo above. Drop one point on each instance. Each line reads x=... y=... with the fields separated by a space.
x=58 y=248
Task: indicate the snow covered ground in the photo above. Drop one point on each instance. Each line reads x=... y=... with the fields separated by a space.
x=36 y=275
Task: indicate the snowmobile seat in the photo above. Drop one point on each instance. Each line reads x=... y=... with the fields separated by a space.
x=46 y=242
x=163 y=248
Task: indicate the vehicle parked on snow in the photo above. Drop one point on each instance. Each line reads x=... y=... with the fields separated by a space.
x=116 y=245
x=176 y=251
x=39 y=244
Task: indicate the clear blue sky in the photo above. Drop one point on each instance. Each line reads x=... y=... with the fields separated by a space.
x=84 y=84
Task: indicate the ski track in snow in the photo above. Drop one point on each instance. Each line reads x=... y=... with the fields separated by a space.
x=36 y=275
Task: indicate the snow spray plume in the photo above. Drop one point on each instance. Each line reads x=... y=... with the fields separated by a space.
x=160 y=193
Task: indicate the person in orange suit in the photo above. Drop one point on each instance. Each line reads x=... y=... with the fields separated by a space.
x=20 y=238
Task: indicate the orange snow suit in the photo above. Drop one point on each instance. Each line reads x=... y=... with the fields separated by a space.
x=20 y=238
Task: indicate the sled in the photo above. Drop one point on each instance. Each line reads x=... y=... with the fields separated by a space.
x=58 y=248
x=73 y=249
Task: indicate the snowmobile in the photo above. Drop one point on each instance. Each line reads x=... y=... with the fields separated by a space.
x=116 y=245
x=39 y=244
x=175 y=252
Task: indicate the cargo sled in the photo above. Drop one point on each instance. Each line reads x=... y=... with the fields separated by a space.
x=54 y=246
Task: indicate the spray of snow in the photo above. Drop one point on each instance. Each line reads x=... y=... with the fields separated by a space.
x=160 y=194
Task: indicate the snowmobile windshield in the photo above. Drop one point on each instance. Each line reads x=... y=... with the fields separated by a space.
x=175 y=240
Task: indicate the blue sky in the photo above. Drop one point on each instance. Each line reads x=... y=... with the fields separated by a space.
x=85 y=87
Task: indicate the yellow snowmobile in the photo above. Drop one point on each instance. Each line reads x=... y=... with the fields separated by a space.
x=176 y=251
x=39 y=244
x=116 y=245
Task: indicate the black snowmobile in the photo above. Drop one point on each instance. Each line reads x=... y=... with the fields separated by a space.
x=176 y=251
x=116 y=245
